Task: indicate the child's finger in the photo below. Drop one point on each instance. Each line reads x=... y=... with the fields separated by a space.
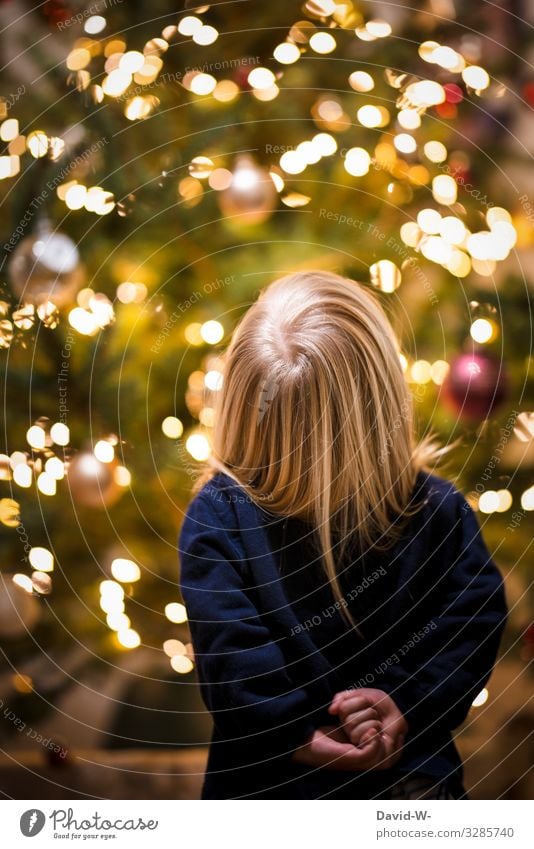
x=364 y=730
x=353 y=704
x=361 y=716
x=338 y=699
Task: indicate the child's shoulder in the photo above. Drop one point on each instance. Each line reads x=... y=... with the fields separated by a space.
x=224 y=498
x=440 y=494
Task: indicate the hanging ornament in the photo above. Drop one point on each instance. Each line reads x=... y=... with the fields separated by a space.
x=475 y=386
x=251 y=195
x=45 y=267
x=19 y=610
x=92 y=482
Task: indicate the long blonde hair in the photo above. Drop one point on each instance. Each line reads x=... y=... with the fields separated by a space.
x=314 y=417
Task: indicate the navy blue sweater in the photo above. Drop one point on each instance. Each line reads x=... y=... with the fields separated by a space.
x=272 y=647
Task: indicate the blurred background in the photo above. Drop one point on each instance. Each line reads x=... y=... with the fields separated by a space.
x=160 y=163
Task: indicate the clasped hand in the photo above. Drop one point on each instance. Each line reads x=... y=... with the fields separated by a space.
x=370 y=734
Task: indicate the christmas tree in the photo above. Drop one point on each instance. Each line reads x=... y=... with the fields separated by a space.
x=159 y=170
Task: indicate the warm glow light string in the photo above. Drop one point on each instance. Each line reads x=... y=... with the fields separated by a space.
x=244 y=188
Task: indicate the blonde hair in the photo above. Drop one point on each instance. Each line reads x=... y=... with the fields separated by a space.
x=314 y=418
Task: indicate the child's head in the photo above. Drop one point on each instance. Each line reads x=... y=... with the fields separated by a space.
x=314 y=417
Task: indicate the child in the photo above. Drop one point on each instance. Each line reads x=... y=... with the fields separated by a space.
x=343 y=607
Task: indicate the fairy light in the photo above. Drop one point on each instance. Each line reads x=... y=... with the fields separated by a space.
x=527 y=499
x=429 y=221
x=122 y=476
x=448 y=58
x=140 y=107
x=78 y=58
x=322 y=42
x=425 y=93
x=22 y=475
x=409 y=119
x=286 y=53
x=459 y=263
x=212 y=332
x=125 y=570
x=205 y=35
x=410 y=234
x=111 y=589
x=173 y=648
x=46 y=484
x=309 y=152
x=181 y=664
x=489 y=502
x=213 y=380
x=128 y=638
x=176 y=612
x=261 y=78
x=189 y=25
x=172 y=427
x=329 y=110
x=266 y=94
x=372 y=116
x=203 y=84
x=438 y=371
x=192 y=333
x=198 y=446
x=149 y=71
x=18 y=458
x=405 y=143
x=9 y=129
x=131 y=61
x=60 y=433
x=104 y=451
x=325 y=144
x=436 y=249
x=9 y=166
x=480 y=245
x=496 y=214
x=41 y=559
x=37 y=144
x=426 y=50
x=378 y=28
x=225 y=91
x=482 y=330
x=83 y=321
x=357 y=161
x=505 y=500
x=385 y=275
x=421 y=372
x=453 y=230
x=116 y=82
x=481 y=699
x=118 y=621
x=361 y=81
x=94 y=24
x=444 y=189
x=23 y=581
x=435 y=151
x=36 y=437
x=292 y=162
x=75 y=196
x=112 y=604
x=476 y=77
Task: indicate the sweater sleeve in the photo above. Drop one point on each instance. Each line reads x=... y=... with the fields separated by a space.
x=435 y=682
x=241 y=668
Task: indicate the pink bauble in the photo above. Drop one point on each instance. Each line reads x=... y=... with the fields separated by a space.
x=475 y=385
